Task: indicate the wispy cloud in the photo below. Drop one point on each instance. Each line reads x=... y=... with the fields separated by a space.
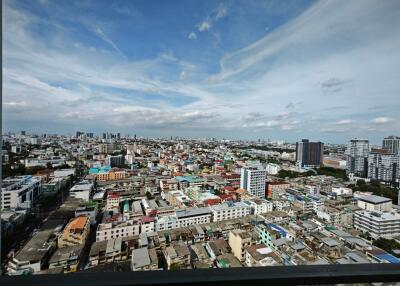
x=344 y=122
x=215 y=15
x=192 y=36
x=100 y=33
x=382 y=120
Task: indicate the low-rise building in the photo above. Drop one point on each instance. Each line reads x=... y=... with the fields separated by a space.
x=167 y=223
x=20 y=192
x=260 y=255
x=144 y=259
x=229 y=210
x=259 y=206
x=106 y=231
x=239 y=240
x=67 y=258
x=193 y=216
x=377 y=224
x=82 y=190
x=177 y=256
x=75 y=233
x=373 y=203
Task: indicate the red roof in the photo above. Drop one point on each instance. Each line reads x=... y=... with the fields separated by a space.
x=112 y=195
x=212 y=201
x=147 y=219
x=229 y=188
x=226 y=197
x=231 y=176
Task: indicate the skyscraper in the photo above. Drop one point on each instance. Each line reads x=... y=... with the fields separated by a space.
x=309 y=154
x=392 y=143
x=384 y=166
x=357 y=157
x=253 y=181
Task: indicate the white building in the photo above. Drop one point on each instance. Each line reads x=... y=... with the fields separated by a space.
x=106 y=231
x=193 y=216
x=259 y=206
x=64 y=173
x=373 y=203
x=229 y=210
x=253 y=181
x=357 y=157
x=392 y=143
x=19 y=192
x=378 y=224
x=384 y=166
x=272 y=169
x=341 y=191
x=82 y=190
x=167 y=223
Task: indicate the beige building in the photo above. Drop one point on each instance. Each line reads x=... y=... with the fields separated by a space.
x=75 y=233
x=239 y=240
x=373 y=203
x=111 y=175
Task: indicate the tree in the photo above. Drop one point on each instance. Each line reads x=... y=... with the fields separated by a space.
x=175 y=266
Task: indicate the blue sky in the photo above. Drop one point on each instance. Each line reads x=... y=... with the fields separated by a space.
x=325 y=70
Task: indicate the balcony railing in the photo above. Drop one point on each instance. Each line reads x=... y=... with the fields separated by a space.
x=274 y=275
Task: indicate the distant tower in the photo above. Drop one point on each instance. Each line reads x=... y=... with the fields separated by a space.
x=357 y=152
x=398 y=198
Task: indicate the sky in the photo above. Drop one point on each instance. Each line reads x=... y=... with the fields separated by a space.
x=323 y=70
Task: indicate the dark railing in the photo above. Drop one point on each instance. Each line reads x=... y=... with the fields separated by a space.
x=275 y=275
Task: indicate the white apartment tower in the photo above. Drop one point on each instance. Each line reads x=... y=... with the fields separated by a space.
x=384 y=166
x=357 y=157
x=392 y=143
x=253 y=181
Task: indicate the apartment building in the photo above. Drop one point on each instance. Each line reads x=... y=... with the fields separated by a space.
x=276 y=189
x=229 y=210
x=193 y=216
x=373 y=203
x=253 y=181
x=106 y=231
x=20 y=192
x=259 y=206
x=239 y=240
x=75 y=233
x=378 y=224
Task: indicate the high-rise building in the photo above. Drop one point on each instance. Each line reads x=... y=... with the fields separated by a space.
x=383 y=165
x=253 y=181
x=79 y=133
x=357 y=157
x=309 y=154
x=392 y=143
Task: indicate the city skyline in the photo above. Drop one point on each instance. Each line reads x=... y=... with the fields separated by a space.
x=229 y=69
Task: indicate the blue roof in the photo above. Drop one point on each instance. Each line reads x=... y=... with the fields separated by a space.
x=190 y=179
x=388 y=257
x=103 y=169
x=277 y=228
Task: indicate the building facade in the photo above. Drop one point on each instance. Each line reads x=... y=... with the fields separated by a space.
x=309 y=154
x=253 y=181
x=357 y=157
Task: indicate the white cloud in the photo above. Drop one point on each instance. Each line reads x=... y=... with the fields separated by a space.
x=192 y=36
x=215 y=15
x=344 y=122
x=205 y=25
x=100 y=33
x=382 y=120
x=221 y=11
